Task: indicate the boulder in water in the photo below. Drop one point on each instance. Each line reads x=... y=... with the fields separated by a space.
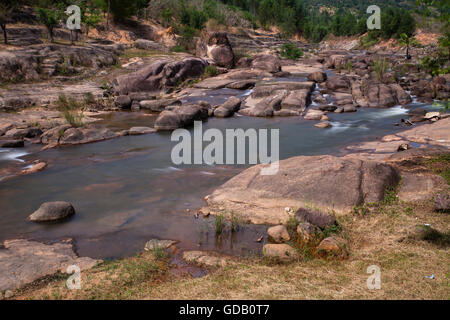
x=52 y=211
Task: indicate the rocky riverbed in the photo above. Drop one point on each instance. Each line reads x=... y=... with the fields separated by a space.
x=168 y=91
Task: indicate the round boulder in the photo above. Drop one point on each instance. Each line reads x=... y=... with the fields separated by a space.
x=278 y=234
x=52 y=211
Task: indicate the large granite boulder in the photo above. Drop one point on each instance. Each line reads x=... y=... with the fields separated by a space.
x=228 y=108
x=267 y=63
x=86 y=134
x=217 y=47
x=181 y=116
x=159 y=75
x=339 y=84
x=325 y=182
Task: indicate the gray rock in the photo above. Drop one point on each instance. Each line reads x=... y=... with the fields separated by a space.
x=278 y=234
x=442 y=202
x=318 y=76
x=339 y=84
x=6 y=143
x=267 y=63
x=206 y=259
x=297 y=100
x=314 y=114
x=228 y=108
x=158 y=244
x=323 y=125
x=315 y=217
x=140 y=130
x=145 y=44
x=86 y=134
x=23 y=261
x=306 y=230
x=123 y=102
x=281 y=252
x=159 y=105
x=53 y=211
x=181 y=116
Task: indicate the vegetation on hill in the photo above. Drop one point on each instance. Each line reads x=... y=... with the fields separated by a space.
x=313 y=20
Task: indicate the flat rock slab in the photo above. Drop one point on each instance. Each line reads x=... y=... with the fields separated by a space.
x=328 y=183
x=302 y=69
x=23 y=261
x=437 y=133
x=419 y=187
x=213 y=83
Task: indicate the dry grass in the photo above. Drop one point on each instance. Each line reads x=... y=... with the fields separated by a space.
x=387 y=238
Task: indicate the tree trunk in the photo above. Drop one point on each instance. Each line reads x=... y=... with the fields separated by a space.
x=107 y=15
x=50 y=34
x=71 y=38
x=5 y=36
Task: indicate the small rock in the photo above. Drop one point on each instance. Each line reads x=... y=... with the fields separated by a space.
x=282 y=252
x=207 y=259
x=306 y=230
x=349 y=108
x=140 y=130
x=35 y=168
x=123 y=102
x=278 y=234
x=52 y=211
x=432 y=115
x=9 y=294
x=313 y=115
x=260 y=239
x=204 y=211
x=332 y=245
x=158 y=244
x=403 y=147
x=323 y=125
x=442 y=202
x=339 y=110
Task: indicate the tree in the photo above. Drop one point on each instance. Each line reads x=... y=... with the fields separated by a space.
x=406 y=40
x=49 y=18
x=6 y=9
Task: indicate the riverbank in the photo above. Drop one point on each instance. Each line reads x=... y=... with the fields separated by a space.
x=405 y=236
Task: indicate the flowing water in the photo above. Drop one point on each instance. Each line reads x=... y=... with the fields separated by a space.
x=127 y=190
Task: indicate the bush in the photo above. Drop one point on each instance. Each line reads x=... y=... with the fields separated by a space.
x=210 y=71
x=380 y=67
x=178 y=49
x=71 y=111
x=290 y=51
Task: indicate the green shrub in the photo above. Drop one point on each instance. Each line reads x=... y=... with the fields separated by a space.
x=210 y=71
x=219 y=223
x=290 y=51
x=71 y=111
x=380 y=67
x=178 y=49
